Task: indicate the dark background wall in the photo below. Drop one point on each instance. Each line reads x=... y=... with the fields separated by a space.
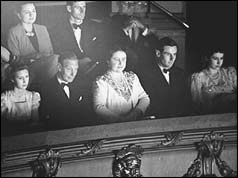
x=212 y=23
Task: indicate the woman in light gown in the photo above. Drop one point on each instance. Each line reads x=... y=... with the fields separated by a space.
x=214 y=89
x=19 y=106
x=118 y=95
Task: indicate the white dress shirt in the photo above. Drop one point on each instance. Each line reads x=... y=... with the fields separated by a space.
x=66 y=88
x=166 y=75
x=77 y=34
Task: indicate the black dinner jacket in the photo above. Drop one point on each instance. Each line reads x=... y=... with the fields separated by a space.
x=167 y=100
x=58 y=111
x=92 y=37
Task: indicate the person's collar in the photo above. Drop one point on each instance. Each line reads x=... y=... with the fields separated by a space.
x=60 y=80
x=126 y=31
x=72 y=21
x=162 y=68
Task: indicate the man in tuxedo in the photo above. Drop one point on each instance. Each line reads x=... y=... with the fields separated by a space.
x=66 y=104
x=165 y=83
x=81 y=35
x=135 y=36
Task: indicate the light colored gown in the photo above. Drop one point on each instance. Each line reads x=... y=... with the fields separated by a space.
x=15 y=107
x=114 y=101
x=206 y=88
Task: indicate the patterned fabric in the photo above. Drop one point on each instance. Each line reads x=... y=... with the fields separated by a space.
x=205 y=87
x=15 y=107
x=125 y=89
x=113 y=101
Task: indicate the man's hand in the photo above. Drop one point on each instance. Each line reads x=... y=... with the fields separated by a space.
x=138 y=24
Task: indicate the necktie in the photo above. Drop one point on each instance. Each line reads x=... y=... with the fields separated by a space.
x=76 y=26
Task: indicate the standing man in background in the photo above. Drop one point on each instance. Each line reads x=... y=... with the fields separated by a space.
x=81 y=35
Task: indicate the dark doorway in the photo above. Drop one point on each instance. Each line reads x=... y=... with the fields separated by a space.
x=211 y=23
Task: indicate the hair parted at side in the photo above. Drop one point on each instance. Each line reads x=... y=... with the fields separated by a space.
x=67 y=55
x=114 y=48
x=165 y=41
x=208 y=52
x=16 y=66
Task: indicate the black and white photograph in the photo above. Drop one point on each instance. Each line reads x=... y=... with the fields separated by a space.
x=118 y=88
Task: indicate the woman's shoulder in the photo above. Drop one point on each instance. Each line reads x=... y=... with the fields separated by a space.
x=16 y=29
x=7 y=94
x=32 y=95
x=40 y=26
x=102 y=79
x=229 y=69
x=130 y=75
x=35 y=95
x=35 y=98
x=199 y=75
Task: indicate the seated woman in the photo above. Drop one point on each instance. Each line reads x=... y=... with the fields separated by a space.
x=18 y=105
x=214 y=88
x=117 y=95
x=32 y=42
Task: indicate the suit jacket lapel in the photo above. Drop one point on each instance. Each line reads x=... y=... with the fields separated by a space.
x=161 y=76
x=71 y=35
x=60 y=91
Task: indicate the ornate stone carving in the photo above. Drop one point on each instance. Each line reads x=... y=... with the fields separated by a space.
x=91 y=148
x=47 y=164
x=171 y=139
x=224 y=169
x=209 y=149
x=195 y=169
x=127 y=162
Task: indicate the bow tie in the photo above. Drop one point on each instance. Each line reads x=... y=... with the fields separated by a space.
x=76 y=26
x=166 y=70
x=64 y=84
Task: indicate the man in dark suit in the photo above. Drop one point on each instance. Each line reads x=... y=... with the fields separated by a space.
x=66 y=104
x=78 y=34
x=165 y=83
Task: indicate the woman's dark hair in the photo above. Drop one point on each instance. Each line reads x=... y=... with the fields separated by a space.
x=208 y=52
x=113 y=49
x=13 y=68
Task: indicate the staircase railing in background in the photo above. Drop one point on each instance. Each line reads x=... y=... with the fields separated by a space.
x=167 y=12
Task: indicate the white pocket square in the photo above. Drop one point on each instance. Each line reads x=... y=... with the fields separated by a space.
x=80 y=98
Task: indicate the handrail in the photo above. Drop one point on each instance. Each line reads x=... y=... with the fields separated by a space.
x=166 y=11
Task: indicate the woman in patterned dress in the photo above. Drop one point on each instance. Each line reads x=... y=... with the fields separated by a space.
x=214 y=88
x=118 y=95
